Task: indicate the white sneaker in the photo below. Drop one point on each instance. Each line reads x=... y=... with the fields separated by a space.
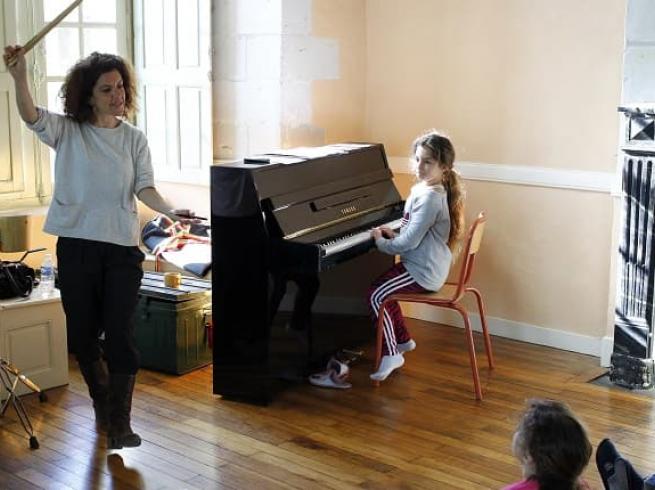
x=408 y=346
x=387 y=365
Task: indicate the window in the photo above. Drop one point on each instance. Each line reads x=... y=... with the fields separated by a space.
x=171 y=46
x=96 y=25
x=172 y=57
x=25 y=169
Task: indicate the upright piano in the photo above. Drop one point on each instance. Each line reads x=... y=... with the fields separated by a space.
x=319 y=204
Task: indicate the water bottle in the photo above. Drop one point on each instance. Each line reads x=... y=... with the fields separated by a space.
x=47 y=284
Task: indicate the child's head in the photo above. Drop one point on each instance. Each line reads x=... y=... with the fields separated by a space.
x=552 y=445
x=434 y=158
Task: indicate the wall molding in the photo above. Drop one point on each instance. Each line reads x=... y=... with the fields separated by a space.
x=604 y=182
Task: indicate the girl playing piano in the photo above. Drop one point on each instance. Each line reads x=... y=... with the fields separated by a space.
x=432 y=223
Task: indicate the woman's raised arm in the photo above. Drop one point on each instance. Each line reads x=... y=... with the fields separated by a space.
x=18 y=71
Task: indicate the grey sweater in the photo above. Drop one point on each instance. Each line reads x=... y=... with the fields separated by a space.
x=423 y=239
x=98 y=171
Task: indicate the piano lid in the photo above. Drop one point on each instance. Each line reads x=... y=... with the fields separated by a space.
x=331 y=163
x=331 y=184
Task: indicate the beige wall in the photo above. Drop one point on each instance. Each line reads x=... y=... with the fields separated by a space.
x=35 y=239
x=534 y=84
x=513 y=82
x=545 y=262
x=339 y=105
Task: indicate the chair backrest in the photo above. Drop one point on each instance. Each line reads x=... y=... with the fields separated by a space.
x=471 y=247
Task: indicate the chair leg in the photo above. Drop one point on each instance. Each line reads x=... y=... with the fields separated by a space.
x=378 y=342
x=471 y=347
x=485 y=331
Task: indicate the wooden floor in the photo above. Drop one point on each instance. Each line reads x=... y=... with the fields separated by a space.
x=421 y=429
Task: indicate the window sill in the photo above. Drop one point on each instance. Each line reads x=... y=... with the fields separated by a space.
x=23 y=211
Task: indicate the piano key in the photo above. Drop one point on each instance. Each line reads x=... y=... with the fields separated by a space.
x=348 y=241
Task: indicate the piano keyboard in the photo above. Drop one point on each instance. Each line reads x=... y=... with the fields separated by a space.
x=348 y=241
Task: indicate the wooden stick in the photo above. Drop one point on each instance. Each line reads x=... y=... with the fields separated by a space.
x=39 y=35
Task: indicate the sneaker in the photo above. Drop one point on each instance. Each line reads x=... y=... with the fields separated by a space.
x=387 y=366
x=408 y=346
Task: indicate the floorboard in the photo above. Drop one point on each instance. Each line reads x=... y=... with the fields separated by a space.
x=422 y=428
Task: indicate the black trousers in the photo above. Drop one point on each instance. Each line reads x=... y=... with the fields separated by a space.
x=99 y=284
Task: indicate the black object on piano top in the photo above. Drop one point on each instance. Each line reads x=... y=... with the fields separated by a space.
x=321 y=207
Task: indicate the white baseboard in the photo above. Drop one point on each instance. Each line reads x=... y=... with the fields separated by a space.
x=500 y=327
x=524 y=332
x=606 y=349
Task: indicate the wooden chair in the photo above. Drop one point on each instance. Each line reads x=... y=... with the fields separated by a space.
x=449 y=296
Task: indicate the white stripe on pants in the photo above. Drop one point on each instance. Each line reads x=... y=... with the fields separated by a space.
x=377 y=298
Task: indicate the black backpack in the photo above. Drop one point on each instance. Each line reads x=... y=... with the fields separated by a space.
x=16 y=277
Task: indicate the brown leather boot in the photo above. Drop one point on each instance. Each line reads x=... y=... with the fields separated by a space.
x=121 y=387
x=97 y=380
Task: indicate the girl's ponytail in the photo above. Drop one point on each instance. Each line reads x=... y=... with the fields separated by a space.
x=455 y=190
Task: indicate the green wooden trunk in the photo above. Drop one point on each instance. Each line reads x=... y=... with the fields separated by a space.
x=173 y=324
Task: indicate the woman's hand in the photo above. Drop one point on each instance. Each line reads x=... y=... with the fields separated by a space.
x=185 y=216
x=19 y=69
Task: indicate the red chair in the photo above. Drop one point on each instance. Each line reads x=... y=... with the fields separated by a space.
x=450 y=296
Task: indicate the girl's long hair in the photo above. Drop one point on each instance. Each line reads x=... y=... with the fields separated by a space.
x=443 y=151
x=553 y=443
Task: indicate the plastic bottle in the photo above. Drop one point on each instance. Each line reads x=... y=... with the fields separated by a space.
x=47 y=284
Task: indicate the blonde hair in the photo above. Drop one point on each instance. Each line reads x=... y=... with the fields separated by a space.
x=443 y=151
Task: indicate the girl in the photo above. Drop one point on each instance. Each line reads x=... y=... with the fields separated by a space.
x=102 y=163
x=432 y=223
x=552 y=447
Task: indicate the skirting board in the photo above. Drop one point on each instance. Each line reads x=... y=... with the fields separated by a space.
x=523 y=332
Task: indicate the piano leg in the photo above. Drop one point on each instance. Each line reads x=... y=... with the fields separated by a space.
x=307 y=288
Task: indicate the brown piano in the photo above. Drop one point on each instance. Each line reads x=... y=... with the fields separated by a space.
x=304 y=209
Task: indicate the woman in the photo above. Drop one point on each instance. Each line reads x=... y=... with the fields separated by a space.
x=102 y=162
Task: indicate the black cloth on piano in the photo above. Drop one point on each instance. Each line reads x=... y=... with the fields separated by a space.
x=270 y=217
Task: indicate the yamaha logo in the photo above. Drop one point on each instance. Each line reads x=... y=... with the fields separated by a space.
x=348 y=210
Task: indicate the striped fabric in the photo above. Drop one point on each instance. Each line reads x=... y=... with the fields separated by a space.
x=395 y=280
